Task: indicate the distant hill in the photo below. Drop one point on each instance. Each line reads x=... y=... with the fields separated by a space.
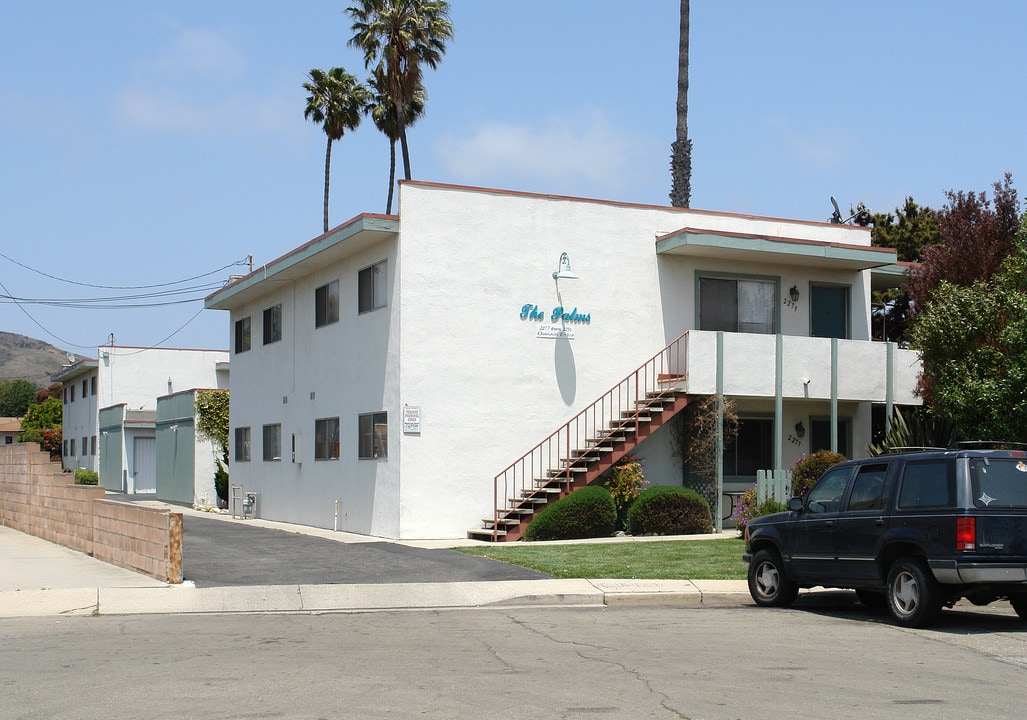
x=25 y=358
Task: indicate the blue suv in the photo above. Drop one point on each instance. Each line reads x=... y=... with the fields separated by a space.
x=911 y=531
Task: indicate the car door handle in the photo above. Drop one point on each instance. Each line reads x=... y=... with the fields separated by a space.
x=879 y=522
x=829 y=523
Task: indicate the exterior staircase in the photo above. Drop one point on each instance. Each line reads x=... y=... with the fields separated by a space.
x=589 y=444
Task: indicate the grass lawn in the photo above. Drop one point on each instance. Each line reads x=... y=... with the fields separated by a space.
x=714 y=559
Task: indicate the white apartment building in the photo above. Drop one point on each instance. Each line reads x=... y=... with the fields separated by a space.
x=110 y=405
x=403 y=376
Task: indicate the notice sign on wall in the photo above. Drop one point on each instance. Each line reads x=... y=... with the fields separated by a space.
x=412 y=419
x=555 y=331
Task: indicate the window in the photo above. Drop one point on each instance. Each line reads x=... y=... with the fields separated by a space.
x=928 y=483
x=85 y=444
x=272 y=444
x=65 y=396
x=65 y=448
x=8 y=440
x=242 y=335
x=326 y=439
x=868 y=488
x=737 y=305
x=71 y=448
x=326 y=304
x=751 y=450
x=92 y=445
x=998 y=482
x=242 y=444
x=820 y=435
x=273 y=324
x=72 y=394
x=92 y=385
x=371 y=287
x=826 y=495
x=374 y=436
x=85 y=387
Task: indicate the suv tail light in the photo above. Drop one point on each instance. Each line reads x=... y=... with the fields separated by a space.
x=966 y=533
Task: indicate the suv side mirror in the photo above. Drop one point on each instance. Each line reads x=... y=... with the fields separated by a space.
x=795 y=504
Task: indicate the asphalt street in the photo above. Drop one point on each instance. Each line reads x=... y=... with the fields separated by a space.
x=218 y=553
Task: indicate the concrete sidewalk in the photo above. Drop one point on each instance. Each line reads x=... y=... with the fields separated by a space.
x=39 y=578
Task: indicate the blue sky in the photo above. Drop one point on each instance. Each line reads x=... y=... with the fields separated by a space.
x=143 y=143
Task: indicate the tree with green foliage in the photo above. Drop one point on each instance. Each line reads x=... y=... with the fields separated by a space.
x=336 y=101
x=42 y=424
x=403 y=36
x=381 y=110
x=15 y=397
x=972 y=339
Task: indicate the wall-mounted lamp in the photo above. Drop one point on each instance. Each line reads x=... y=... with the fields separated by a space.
x=563 y=269
x=793 y=293
x=800 y=430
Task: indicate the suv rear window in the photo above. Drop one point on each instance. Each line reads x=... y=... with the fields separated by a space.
x=999 y=482
x=928 y=484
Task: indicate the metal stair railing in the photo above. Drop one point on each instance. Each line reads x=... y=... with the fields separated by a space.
x=601 y=422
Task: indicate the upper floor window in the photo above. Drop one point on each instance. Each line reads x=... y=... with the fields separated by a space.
x=72 y=395
x=737 y=305
x=92 y=385
x=242 y=335
x=326 y=304
x=273 y=324
x=371 y=287
x=85 y=387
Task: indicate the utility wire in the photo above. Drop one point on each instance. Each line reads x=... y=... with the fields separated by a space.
x=244 y=261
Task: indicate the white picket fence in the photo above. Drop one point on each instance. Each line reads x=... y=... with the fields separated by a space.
x=776 y=484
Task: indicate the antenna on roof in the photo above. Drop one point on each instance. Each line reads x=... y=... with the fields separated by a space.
x=862 y=212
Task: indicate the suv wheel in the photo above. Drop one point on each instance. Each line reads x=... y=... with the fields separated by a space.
x=1019 y=603
x=768 y=584
x=914 y=596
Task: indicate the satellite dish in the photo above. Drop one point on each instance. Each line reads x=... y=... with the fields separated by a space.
x=836 y=218
x=71 y=358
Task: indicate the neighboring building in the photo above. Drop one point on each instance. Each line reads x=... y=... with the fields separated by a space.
x=10 y=429
x=185 y=462
x=387 y=372
x=110 y=408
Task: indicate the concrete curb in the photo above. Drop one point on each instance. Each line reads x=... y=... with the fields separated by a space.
x=371 y=598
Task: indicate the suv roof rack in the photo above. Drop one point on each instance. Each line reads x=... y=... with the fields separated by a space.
x=987 y=445
x=912 y=448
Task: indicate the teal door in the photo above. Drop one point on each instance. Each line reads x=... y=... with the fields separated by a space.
x=829 y=311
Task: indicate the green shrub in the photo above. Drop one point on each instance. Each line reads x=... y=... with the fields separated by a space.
x=86 y=477
x=221 y=482
x=625 y=482
x=809 y=468
x=747 y=508
x=669 y=510
x=585 y=513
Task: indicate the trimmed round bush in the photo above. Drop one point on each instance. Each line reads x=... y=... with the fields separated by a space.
x=585 y=513
x=809 y=468
x=86 y=477
x=669 y=510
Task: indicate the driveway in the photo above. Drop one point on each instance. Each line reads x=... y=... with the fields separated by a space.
x=219 y=553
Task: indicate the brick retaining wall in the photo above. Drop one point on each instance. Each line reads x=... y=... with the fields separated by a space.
x=38 y=499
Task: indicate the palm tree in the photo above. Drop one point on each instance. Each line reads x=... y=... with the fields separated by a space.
x=381 y=111
x=681 y=148
x=402 y=35
x=336 y=101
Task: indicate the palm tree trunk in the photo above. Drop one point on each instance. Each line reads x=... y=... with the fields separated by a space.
x=402 y=126
x=392 y=174
x=681 y=148
x=328 y=168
